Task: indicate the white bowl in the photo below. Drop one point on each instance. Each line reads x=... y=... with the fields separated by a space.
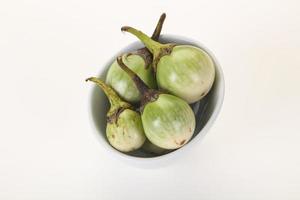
x=206 y=110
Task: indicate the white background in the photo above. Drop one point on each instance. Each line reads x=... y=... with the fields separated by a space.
x=48 y=150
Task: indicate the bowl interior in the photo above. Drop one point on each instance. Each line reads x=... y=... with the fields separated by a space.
x=203 y=109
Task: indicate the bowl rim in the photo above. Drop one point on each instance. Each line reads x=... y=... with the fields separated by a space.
x=197 y=138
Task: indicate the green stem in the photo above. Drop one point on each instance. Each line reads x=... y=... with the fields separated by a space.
x=157 y=49
x=148 y=95
x=140 y=84
x=114 y=100
x=157 y=31
x=152 y=46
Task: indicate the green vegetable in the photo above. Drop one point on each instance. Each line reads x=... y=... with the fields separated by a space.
x=138 y=61
x=168 y=121
x=183 y=70
x=124 y=128
x=153 y=149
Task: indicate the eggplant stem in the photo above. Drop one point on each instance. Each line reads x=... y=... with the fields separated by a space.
x=157 y=49
x=114 y=100
x=151 y=45
x=157 y=31
x=140 y=84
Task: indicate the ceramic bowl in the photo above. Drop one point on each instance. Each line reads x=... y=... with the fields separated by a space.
x=206 y=110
